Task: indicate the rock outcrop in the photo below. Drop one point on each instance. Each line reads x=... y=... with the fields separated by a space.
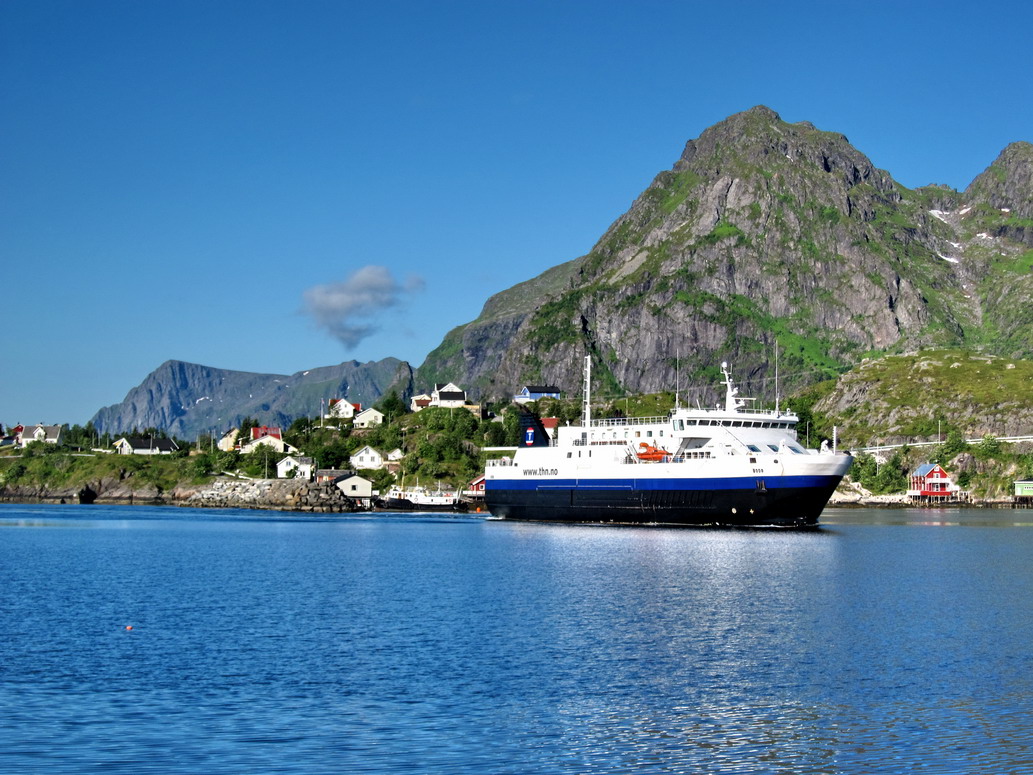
x=762 y=233
x=186 y=399
x=227 y=493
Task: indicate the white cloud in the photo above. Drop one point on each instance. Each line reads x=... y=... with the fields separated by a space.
x=348 y=310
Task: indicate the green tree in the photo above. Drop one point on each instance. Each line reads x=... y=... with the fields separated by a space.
x=299 y=432
x=892 y=476
x=392 y=406
x=511 y=424
x=261 y=462
x=203 y=464
x=989 y=447
x=333 y=455
x=245 y=428
x=494 y=435
x=954 y=445
x=15 y=472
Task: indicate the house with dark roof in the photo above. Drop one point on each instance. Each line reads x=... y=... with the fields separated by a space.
x=332 y=475
x=358 y=488
x=144 y=445
x=48 y=434
x=534 y=392
x=447 y=395
x=296 y=467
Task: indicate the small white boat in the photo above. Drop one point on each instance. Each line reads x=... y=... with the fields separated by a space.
x=418 y=498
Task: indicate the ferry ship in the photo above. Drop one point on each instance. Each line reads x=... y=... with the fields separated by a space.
x=728 y=466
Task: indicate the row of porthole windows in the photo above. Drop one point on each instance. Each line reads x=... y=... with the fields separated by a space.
x=638 y=435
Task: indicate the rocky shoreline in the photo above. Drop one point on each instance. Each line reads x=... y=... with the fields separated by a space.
x=323 y=497
x=222 y=493
x=851 y=494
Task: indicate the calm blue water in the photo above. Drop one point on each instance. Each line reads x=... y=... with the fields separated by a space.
x=270 y=643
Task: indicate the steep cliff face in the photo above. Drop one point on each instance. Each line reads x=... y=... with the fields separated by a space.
x=762 y=232
x=187 y=399
x=1007 y=183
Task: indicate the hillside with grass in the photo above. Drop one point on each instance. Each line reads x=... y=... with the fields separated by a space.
x=925 y=395
x=766 y=235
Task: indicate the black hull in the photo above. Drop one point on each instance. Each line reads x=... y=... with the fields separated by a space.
x=404 y=504
x=789 y=507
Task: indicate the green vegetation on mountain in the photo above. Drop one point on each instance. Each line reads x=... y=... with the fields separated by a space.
x=916 y=397
x=765 y=235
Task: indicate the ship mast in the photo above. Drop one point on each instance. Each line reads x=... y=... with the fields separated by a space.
x=586 y=407
x=732 y=402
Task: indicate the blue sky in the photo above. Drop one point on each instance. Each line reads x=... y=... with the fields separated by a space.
x=274 y=186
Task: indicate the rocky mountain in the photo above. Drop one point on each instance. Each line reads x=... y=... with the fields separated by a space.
x=922 y=396
x=765 y=234
x=187 y=399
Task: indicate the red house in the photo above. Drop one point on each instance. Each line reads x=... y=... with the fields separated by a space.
x=262 y=431
x=931 y=481
x=551 y=424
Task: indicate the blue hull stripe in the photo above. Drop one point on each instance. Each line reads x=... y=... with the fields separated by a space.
x=724 y=483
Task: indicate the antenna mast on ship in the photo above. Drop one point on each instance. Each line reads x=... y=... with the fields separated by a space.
x=677 y=380
x=586 y=407
x=776 y=376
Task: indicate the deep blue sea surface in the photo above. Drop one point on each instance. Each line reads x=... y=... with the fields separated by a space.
x=886 y=642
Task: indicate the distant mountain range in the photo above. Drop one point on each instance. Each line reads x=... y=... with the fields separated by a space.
x=187 y=399
x=763 y=233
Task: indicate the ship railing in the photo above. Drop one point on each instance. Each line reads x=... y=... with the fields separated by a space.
x=704 y=454
x=505 y=461
x=610 y=422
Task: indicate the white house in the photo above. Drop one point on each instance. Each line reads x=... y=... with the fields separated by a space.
x=395 y=455
x=298 y=467
x=144 y=445
x=447 y=395
x=48 y=434
x=357 y=488
x=367 y=457
x=279 y=445
x=229 y=440
x=340 y=409
x=367 y=418
x=422 y=401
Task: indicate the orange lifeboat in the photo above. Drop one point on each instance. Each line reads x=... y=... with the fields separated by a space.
x=652 y=454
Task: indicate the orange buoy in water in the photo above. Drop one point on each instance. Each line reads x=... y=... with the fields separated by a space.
x=129 y=626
